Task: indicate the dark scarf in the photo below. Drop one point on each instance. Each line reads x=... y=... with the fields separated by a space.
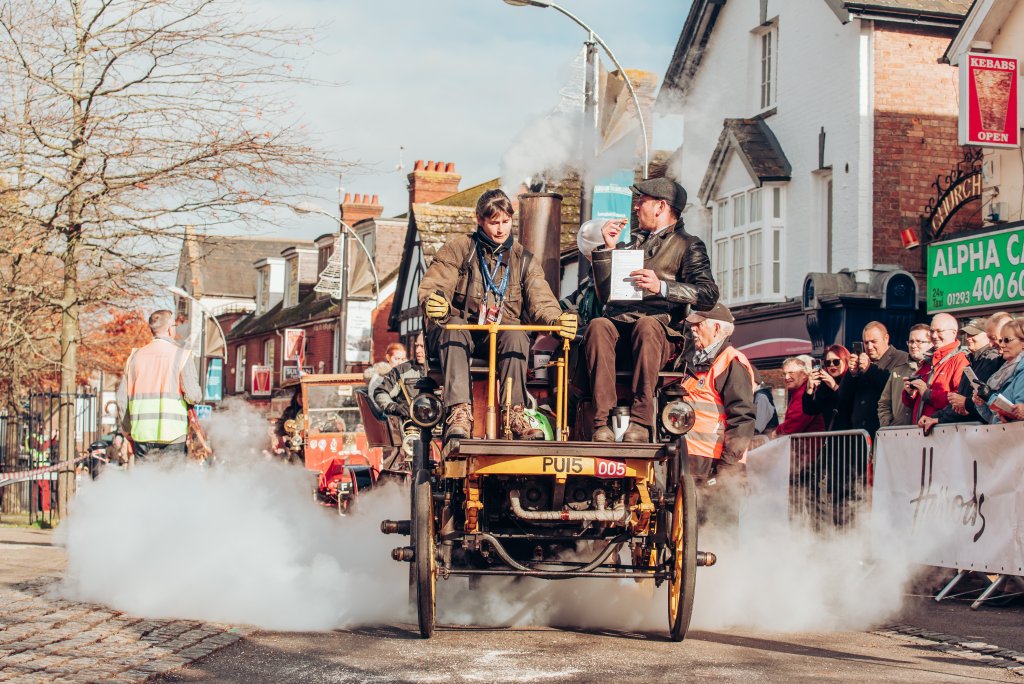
x=484 y=242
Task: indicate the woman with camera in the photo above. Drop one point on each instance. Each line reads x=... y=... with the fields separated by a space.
x=1001 y=399
x=822 y=395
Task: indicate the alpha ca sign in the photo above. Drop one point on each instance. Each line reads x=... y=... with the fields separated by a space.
x=989 y=114
x=976 y=271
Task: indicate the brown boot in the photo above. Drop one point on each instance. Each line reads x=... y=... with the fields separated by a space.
x=521 y=427
x=603 y=433
x=637 y=433
x=460 y=422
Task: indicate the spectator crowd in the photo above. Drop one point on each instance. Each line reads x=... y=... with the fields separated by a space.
x=948 y=374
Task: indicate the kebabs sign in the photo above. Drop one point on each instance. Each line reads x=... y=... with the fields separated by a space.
x=988 y=101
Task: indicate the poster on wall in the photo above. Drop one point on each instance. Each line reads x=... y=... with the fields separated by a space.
x=989 y=114
x=294 y=341
x=262 y=381
x=358 y=331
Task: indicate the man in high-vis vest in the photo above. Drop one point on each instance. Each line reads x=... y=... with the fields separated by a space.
x=159 y=382
x=720 y=386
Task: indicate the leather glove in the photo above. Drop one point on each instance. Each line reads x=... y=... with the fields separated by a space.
x=397 y=408
x=569 y=323
x=437 y=307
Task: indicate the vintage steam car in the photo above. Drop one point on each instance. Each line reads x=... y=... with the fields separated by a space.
x=494 y=506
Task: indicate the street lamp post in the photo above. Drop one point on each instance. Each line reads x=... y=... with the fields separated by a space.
x=596 y=38
x=343 y=294
x=204 y=312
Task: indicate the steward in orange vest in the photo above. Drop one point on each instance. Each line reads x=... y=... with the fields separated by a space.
x=159 y=382
x=720 y=386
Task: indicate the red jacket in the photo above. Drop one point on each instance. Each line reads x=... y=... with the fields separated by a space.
x=796 y=421
x=942 y=373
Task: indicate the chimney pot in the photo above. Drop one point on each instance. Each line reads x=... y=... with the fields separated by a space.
x=375 y=200
x=348 y=198
x=430 y=165
x=418 y=166
x=361 y=199
x=450 y=167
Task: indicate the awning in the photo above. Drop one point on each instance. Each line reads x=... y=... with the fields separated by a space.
x=772 y=337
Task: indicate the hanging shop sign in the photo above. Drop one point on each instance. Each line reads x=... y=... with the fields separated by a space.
x=262 y=381
x=977 y=271
x=989 y=114
x=960 y=186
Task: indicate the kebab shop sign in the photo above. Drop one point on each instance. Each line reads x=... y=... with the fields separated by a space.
x=988 y=101
x=978 y=271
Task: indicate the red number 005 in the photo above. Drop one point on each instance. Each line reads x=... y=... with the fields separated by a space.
x=606 y=468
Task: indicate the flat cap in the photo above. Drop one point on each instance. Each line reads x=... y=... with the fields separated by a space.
x=719 y=313
x=663 y=189
x=975 y=326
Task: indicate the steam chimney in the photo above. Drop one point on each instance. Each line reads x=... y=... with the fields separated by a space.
x=431 y=181
x=355 y=208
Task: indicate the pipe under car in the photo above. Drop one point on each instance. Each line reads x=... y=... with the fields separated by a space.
x=618 y=514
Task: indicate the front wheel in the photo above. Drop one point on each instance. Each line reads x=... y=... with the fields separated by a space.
x=683 y=548
x=424 y=570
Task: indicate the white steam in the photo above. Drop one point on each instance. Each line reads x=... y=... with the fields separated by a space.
x=243 y=542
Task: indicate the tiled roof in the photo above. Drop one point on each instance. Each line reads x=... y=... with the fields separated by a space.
x=469 y=196
x=312 y=307
x=222 y=265
x=757 y=147
x=949 y=7
x=437 y=225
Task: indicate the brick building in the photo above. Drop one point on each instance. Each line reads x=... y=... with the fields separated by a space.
x=285 y=298
x=813 y=136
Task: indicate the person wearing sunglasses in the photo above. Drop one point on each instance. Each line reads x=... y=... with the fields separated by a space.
x=891 y=410
x=1008 y=381
x=927 y=391
x=822 y=395
x=981 y=337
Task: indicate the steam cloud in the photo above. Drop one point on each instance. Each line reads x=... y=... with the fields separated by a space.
x=243 y=542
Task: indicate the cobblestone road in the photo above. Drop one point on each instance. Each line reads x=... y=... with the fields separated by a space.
x=47 y=639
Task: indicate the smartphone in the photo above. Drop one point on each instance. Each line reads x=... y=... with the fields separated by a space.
x=971 y=377
x=815 y=365
x=857 y=348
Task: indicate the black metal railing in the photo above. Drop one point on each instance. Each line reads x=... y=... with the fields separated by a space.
x=31 y=467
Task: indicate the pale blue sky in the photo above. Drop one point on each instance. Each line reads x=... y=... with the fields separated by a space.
x=451 y=80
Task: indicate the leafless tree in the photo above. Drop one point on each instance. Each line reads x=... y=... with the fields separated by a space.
x=124 y=120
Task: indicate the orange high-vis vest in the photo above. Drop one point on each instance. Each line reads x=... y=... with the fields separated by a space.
x=707 y=437
x=156 y=407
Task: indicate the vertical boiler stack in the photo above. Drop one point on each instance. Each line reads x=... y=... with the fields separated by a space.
x=540 y=227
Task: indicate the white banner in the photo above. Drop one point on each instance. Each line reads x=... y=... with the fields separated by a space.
x=955 y=496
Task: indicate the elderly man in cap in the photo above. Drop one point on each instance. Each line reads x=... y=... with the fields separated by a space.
x=720 y=385
x=676 y=276
x=984 y=359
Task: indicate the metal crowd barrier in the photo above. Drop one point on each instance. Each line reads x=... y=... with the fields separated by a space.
x=829 y=477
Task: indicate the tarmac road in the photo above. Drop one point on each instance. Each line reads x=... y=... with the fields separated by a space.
x=396 y=654
x=44 y=639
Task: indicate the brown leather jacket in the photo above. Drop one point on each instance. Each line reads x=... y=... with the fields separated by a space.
x=455 y=273
x=681 y=261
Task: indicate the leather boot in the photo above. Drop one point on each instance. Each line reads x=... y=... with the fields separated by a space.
x=637 y=433
x=521 y=427
x=460 y=422
x=603 y=433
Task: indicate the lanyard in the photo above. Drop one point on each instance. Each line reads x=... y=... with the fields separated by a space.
x=498 y=290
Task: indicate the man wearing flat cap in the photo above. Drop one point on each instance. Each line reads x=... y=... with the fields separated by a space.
x=720 y=386
x=676 y=276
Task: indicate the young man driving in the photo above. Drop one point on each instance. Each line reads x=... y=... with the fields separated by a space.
x=485 y=277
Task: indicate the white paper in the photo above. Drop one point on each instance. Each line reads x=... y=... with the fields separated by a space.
x=624 y=262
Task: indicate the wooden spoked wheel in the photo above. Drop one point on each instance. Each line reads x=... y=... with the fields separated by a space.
x=424 y=566
x=683 y=552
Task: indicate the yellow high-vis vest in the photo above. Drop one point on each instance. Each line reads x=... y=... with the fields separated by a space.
x=156 y=407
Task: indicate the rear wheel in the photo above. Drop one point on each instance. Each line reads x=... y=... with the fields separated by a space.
x=683 y=549
x=424 y=570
